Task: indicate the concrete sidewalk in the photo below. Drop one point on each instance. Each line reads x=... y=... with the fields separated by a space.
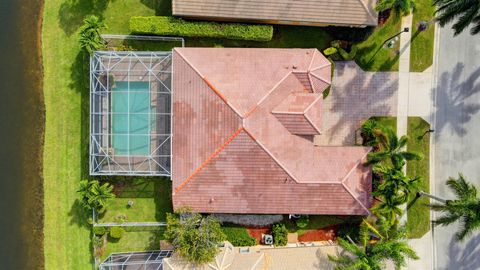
x=414 y=99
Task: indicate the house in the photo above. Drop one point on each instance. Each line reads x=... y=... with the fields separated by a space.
x=244 y=122
x=257 y=258
x=353 y=13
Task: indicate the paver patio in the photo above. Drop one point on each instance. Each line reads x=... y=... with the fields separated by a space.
x=355 y=96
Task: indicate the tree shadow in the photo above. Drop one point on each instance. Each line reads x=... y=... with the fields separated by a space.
x=451 y=97
x=78 y=215
x=357 y=98
x=72 y=12
x=161 y=7
x=464 y=256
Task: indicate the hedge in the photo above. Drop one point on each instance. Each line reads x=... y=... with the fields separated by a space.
x=238 y=236
x=280 y=234
x=165 y=25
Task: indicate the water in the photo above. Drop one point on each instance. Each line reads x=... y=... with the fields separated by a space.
x=21 y=135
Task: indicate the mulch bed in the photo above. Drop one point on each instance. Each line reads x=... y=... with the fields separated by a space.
x=257 y=233
x=383 y=17
x=324 y=234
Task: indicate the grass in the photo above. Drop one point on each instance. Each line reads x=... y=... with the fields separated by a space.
x=135 y=240
x=67 y=234
x=372 y=55
x=421 y=51
x=387 y=121
x=238 y=235
x=418 y=214
x=151 y=201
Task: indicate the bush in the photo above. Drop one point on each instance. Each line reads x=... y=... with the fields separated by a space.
x=117 y=232
x=164 y=25
x=280 y=234
x=348 y=56
x=349 y=229
x=99 y=231
x=302 y=222
x=329 y=51
x=239 y=236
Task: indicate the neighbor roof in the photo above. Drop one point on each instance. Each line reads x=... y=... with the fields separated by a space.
x=233 y=154
x=307 y=12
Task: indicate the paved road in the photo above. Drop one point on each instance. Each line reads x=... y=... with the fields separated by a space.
x=457 y=137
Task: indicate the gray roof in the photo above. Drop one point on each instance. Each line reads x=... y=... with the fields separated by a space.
x=306 y=12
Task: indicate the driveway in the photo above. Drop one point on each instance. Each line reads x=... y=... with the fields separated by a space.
x=356 y=95
x=457 y=140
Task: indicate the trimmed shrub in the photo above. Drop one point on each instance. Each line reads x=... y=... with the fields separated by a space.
x=99 y=231
x=329 y=51
x=117 y=232
x=280 y=234
x=348 y=56
x=239 y=236
x=165 y=25
x=302 y=222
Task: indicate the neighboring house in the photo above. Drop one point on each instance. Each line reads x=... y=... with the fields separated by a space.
x=356 y=13
x=258 y=258
x=244 y=122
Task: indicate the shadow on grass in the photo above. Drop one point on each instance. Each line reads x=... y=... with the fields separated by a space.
x=72 y=12
x=161 y=7
x=78 y=215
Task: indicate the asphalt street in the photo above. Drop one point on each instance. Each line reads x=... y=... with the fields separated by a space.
x=457 y=137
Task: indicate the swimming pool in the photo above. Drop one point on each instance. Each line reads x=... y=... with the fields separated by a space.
x=130 y=118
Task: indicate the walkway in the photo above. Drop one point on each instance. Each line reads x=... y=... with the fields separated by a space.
x=414 y=99
x=356 y=95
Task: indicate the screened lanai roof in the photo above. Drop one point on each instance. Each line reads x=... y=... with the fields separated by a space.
x=150 y=260
x=130 y=113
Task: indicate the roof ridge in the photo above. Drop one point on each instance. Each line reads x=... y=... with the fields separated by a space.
x=217 y=151
x=322 y=66
x=210 y=85
x=311 y=61
x=372 y=16
x=355 y=198
x=270 y=154
x=266 y=95
x=320 y=78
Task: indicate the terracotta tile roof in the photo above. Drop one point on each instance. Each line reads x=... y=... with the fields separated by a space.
x=306 y=12
x=233 y=155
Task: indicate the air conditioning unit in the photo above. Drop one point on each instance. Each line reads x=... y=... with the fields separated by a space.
x=267 y=239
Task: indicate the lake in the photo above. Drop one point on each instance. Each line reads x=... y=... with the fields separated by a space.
x=21 y=135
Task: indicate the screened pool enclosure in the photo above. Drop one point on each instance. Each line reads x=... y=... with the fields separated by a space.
x=130 y=113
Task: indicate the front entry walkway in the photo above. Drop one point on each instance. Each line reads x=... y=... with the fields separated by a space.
x=355 y=96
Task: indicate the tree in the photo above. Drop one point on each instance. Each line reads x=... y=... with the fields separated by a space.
x=465 y=12
x=195 y=237
x=89 y=36
x=395 y=183
x=400 y=7
x=465 y=208
x=391 y=148
x=372 y=254
x=94 y=195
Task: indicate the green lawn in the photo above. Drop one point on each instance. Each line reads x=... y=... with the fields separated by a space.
x=135 y=240
x=67 y=234
x=151 y=201
x=421 y=51
x=387 y=121
x=418 y=214
x=372 y=56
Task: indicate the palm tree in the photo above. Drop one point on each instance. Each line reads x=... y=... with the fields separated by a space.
x=400 y=7
x=465 y=12
x=372 y=254
x=395 y=183
x=389 y=208
x=391 y=148
x=90 y=38
x=94 y=195
x=465 y=208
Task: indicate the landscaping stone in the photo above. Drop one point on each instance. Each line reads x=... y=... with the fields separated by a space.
x=249 y=220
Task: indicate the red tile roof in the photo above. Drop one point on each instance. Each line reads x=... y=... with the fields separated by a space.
x=234 y=153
